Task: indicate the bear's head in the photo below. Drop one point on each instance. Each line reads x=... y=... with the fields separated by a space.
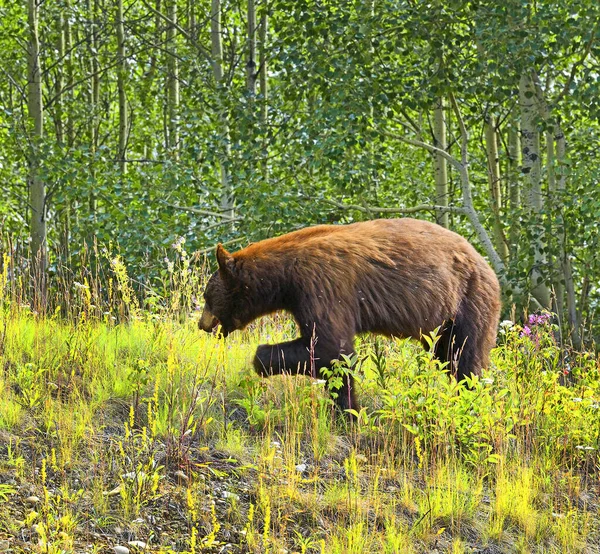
x=226 y=301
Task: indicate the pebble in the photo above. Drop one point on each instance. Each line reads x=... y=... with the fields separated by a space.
x=181 y=475
x=114 y=492
x=139 y=475
x=32 y=500
x=138 y=544
x=301 y=468
x=120 y=549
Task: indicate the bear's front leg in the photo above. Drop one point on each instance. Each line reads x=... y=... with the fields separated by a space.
x=293 y=357
x=296 y=357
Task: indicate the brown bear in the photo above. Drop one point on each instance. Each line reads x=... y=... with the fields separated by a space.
x=398 y=277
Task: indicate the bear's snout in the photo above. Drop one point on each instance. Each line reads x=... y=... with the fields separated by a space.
x=207 y=321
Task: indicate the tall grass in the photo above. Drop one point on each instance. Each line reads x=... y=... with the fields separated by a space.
x=122 y=425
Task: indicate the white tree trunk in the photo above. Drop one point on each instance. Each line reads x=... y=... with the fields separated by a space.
x=567 y=270
x=172 y=82
x=251 y=61
x=462 y=166
x=92 y=10
x=491 y=146
x=60 y=82
x=514 y=169
x=121 y=76
x=227 y=199
x=37 y=188
x=440 y=165
x=264 y=90
x=530 y=145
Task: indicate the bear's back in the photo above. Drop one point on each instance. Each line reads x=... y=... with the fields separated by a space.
x=385 y=241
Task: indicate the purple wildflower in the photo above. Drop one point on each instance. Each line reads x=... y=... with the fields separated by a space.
x=526 y=332
x=539 y=319
x=532 y=319
x=532 y=329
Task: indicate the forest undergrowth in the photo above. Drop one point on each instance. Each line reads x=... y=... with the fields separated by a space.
x=129 y=430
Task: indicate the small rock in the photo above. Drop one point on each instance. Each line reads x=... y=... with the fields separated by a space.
x=138 y=544
x=181 y=475
x=120 y=549
x=232 y=495
x=301 y=468
x=32 y=500
x=139 y=475
x=114 y=492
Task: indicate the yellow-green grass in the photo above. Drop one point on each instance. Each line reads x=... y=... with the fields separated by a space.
x=152 y=431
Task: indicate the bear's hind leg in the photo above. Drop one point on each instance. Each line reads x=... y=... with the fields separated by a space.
x=473 y=336
x=458 y=346
x=442 y=350
x=465 y=352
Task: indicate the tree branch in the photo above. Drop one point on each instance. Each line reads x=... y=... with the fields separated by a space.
x=462 y=167
x=413 y=209
x=464 y=134
x=415 y=126
x=199 y=253
x=223 y=222
x=199 y=211
x=204 y=51
x=421 y=144
x=87 y=77
x=577 y=65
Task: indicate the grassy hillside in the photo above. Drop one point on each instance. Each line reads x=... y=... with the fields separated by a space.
x=152 y=436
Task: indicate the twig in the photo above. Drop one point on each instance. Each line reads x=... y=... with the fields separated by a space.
x=413 y=209
x=577 y=64
x=204 y=51
x=224 y=222
x=199 y=253
x=199 y=211
x=421 y=144
x=464 y=134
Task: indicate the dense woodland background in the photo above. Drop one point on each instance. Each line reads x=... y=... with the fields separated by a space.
x=130 y=123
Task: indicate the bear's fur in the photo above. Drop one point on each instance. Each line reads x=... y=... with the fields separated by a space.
x=398 y=277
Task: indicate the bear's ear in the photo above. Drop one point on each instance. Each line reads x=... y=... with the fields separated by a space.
x=225 y=260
